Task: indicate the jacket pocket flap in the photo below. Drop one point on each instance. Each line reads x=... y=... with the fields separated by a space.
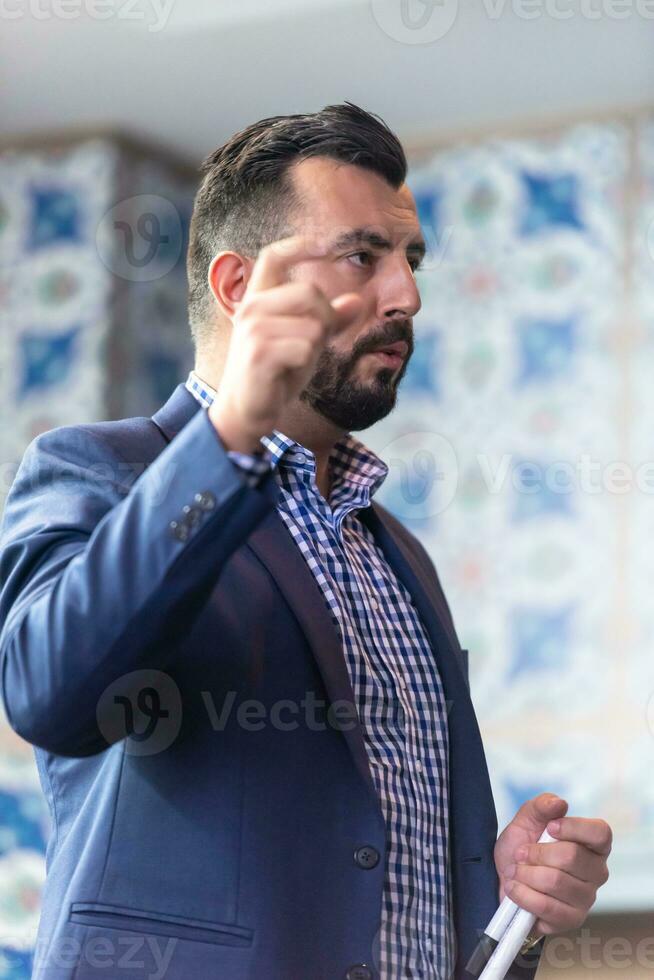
x=159 y=923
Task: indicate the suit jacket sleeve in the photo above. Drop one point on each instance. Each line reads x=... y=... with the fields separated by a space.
x=96 y=578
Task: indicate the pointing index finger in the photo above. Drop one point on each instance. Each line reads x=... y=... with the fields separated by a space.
x=274 y=260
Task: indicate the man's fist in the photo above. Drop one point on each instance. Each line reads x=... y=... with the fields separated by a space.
x=279 y=331
x=556 y=881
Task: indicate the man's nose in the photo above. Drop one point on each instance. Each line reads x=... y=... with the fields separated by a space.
x=399 y=295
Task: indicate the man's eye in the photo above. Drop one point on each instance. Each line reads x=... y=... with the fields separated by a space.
x=416 y=264
x=366 y=256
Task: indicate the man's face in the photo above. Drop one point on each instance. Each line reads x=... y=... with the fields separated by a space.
x=375 y=246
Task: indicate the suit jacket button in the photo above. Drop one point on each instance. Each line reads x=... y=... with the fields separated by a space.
x=191 y=515
x=205 y=500
x=179 y=530
x=366 y=857
x=359 y=972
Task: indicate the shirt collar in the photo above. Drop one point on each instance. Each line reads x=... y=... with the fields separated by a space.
x=352 y=463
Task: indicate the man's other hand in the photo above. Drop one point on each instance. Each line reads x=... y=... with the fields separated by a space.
x=558 y=881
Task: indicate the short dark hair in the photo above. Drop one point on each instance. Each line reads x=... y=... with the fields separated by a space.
x=245 y=197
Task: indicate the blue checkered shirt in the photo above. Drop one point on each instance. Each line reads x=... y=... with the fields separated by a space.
x=396 y=685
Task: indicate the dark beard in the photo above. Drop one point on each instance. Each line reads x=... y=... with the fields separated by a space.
x=349 y=405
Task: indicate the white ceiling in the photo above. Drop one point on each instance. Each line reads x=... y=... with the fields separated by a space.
x=188 y=73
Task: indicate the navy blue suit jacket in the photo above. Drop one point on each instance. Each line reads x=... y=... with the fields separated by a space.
x=140 y=575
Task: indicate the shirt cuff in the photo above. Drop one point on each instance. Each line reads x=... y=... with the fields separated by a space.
x=254 y=467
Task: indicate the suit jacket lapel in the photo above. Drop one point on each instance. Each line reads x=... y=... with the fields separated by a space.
x=470 y=789
x=429 y=604
x=275 y=548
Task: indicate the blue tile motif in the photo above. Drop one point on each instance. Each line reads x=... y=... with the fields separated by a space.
x=22 y=821
x=15 y=964
x=540 y=639
x=423 y=374
x=428 y=208
x=540 y=490
x=546 y=348
x=55 y=217
x=551 y=202
x=47 y=359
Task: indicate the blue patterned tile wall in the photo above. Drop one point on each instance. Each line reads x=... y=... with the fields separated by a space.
x=530 y=388
x=93 y=300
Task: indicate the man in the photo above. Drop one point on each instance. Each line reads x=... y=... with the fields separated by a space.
x=247 y=697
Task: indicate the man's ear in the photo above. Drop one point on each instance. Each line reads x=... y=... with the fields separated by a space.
x=228 y=276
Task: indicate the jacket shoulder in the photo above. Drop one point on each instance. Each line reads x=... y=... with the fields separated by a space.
x=134 y=442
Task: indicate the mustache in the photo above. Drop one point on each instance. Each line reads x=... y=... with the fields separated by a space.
x=386 y=333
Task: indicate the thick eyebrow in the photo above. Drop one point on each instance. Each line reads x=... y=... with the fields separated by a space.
x=362 y=236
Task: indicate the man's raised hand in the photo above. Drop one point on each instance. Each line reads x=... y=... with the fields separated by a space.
x=279 y=331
